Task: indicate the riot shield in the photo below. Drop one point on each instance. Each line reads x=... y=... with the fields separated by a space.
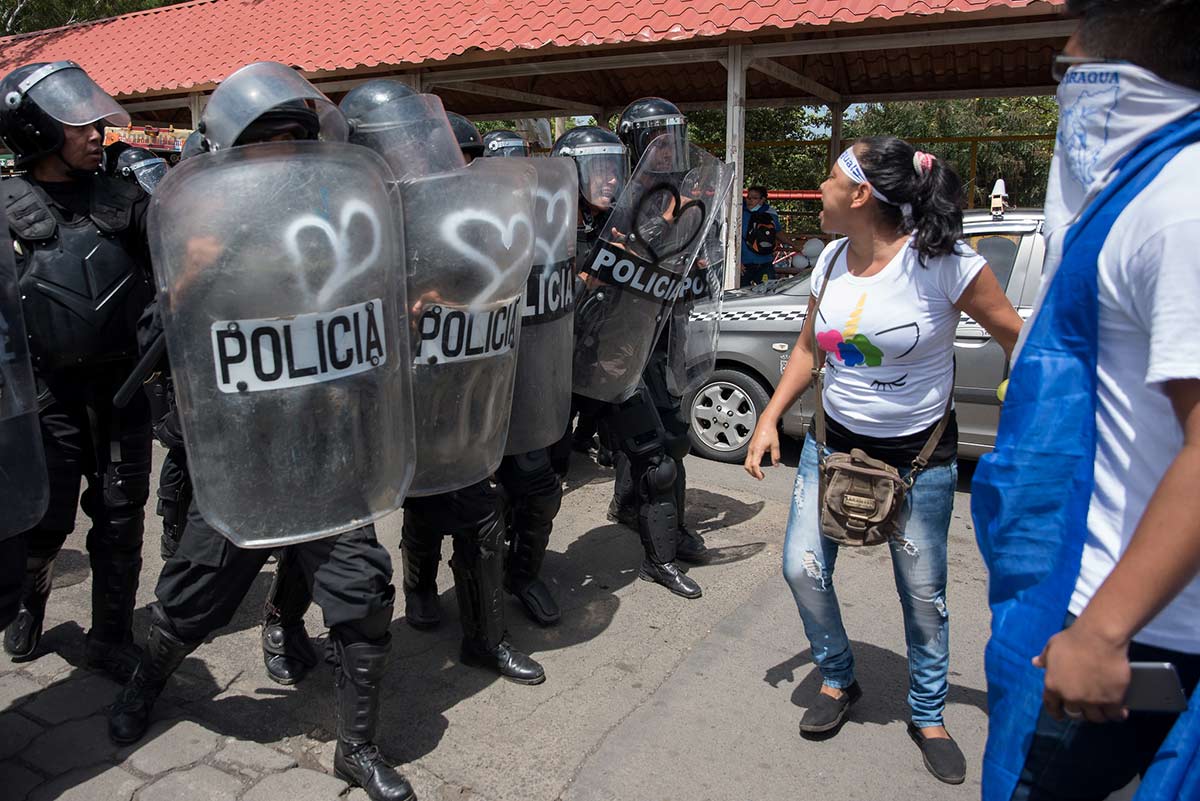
x=695 y=318
x=638 y=268
x=24 y=492
x=541 y=401
x=469 y=237
x=279 y=270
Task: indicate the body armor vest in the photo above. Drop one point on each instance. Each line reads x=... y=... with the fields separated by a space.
x=82 y=290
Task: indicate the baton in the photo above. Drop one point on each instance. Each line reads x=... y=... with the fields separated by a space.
x=141 y=371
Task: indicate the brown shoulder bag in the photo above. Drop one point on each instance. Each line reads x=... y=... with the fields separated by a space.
x=861 y=499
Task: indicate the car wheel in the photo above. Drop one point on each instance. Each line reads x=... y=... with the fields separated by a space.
x=722 y=415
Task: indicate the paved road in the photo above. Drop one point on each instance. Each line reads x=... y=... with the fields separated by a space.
x=649 y=696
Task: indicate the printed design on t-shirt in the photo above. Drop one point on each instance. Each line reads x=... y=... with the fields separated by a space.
x=890 y=386
x=1077 y=130
x=855 y=349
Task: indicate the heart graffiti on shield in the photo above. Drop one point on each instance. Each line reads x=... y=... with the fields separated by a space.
x=663 y=221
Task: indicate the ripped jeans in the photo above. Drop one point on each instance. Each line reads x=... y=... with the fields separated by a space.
x=919 y=565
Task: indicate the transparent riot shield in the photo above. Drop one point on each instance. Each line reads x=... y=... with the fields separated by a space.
x=695 y=319
x=469 y=236
x=279 y=270
x=639 y=267
x=24 y=492
x=542 y=393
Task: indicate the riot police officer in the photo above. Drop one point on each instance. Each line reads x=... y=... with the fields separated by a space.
x=140 y=165
x=80 y=244
x=505 y=143
x=602 y=163
x=541 y=400
x=642 y=122
x=206 y=578
x=639 y=419
x=467 y=136
x=415 y=136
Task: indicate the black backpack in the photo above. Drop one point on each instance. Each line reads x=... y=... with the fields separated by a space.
x=760 y=233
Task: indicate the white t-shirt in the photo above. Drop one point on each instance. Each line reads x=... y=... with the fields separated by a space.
x=889 y=339
x=1149 y=285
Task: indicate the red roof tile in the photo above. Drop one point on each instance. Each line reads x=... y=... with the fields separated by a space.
x=198 y=43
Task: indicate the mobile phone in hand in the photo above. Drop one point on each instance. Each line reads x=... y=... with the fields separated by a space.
x=1155 y=687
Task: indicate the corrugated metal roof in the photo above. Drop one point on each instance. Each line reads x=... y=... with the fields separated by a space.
x=178 y=47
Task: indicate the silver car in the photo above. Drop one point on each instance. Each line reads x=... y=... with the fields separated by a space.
x=759 y=327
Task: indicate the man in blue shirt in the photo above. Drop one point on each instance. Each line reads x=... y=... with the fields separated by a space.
x=760 y=232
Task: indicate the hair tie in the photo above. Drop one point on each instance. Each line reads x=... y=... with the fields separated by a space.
x=923 y=162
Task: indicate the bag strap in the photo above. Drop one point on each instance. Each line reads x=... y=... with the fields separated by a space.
x=818 y=359
x=922 y=460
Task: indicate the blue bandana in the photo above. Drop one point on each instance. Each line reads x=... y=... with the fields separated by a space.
x=1031 y=495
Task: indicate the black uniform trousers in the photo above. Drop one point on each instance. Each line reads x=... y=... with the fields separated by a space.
x=205 y=580
x=12 y=573
x=85 y=437
x=675 y=436
x=534 y=497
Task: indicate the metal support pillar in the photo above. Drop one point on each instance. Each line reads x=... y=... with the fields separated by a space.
x=735 y=134
x=838 y=111
x=196 y=103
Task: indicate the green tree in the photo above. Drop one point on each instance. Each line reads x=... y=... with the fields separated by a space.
x=27 y=16
x=1024 y=165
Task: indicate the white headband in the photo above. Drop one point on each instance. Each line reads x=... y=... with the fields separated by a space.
x=854 y=171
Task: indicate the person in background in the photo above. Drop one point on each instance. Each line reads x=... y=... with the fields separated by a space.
x=761 y=232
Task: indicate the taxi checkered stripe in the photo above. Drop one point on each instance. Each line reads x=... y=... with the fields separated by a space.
x=753 y=314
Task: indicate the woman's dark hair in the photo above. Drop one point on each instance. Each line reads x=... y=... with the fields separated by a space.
x=930 y=186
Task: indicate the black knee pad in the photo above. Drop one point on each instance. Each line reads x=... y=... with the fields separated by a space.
x=658 y=479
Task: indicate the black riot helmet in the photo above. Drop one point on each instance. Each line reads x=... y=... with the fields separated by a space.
x=139 y=164
x=505 y=143
x=409 y=130
x=37 y=100
x=192 y=146
x=370 y=102
x=266 y=99
x=295 y=118
x=601 y=161
x=648 y=119
x=469 y=140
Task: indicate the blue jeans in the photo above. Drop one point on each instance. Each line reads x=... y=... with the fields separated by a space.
x=919 y=564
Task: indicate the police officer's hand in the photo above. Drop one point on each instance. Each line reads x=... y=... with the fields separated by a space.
x=764 y=440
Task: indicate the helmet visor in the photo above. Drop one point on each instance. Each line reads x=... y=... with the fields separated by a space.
x=148 y=173
x=603 y=173
x=413 y=135
x=511 y=148
x=68 y=94
x=257 y=88
x=669 y=136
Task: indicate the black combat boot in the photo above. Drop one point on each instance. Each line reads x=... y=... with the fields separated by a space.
x=420 y=553
x=288 y=653
x=690 y=547
x=22 y=636
x=658 y=528
x=359 y=671
x=110 y=646
x=478 y=566
x=532 y=521
x=129 y=716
